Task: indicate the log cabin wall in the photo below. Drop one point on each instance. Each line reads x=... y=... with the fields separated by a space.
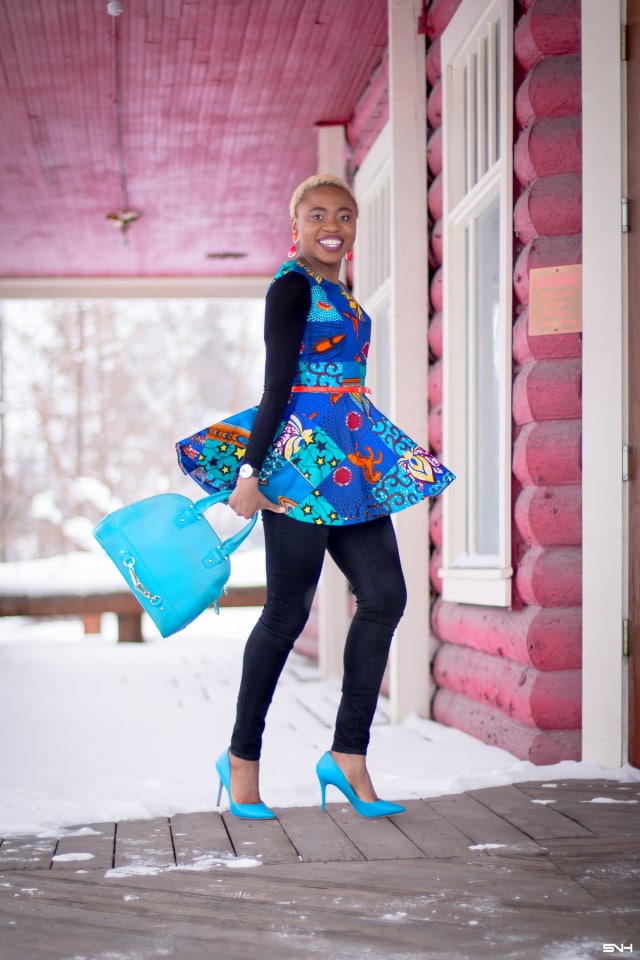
x=511 y=677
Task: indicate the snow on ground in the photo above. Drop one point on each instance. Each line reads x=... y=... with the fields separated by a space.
x=96 y=731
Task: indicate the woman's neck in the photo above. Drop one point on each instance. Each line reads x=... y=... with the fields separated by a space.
x=323 y=270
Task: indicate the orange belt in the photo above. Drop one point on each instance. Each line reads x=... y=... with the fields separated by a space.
x=355 y=388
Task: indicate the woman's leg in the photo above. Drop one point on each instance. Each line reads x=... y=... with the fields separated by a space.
x=294 y=556
x=367 y=554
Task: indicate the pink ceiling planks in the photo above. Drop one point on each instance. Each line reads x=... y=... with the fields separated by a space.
x=201 y=114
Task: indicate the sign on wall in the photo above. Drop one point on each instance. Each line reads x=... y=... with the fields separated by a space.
x=555 y=300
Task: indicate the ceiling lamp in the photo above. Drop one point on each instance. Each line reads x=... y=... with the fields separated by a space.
x=122 y=220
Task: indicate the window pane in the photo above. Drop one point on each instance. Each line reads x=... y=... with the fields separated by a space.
x=487 y=317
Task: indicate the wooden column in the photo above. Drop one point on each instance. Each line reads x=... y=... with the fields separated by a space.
x=604 y=357
x=409 y=675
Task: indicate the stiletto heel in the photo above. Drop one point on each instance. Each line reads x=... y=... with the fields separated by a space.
x=247 y=811
x=328 y=771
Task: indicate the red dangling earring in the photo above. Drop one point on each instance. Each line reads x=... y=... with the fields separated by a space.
x=292 y=251
x=349 y=256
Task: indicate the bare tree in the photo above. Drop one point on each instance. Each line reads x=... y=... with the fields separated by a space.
x=97 y=394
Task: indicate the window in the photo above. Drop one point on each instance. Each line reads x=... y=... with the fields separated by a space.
x=373 y=262
x=477 y=273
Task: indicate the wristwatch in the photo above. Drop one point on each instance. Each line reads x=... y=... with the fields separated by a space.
x=246 y=471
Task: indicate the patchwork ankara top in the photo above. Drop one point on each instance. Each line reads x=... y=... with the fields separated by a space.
x=335 y=459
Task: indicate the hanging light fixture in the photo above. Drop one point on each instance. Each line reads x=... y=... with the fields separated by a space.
x=125 y=216
x=122 y=219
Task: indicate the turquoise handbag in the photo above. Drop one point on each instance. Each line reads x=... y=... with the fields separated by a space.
x=170 y=556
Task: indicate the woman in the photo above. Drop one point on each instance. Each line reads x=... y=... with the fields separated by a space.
x=329 y=481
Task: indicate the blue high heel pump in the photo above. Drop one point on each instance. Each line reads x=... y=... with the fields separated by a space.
x=329 y=772
x=247 y=811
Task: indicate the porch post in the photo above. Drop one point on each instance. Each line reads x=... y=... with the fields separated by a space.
x=604 y=572
x=409 y=668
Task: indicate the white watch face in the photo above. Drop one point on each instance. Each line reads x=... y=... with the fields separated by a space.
x=246 y=471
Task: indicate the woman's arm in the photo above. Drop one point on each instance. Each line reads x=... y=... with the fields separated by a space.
x=286 y=308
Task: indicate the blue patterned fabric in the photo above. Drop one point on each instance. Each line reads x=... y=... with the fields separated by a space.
x=336 y=459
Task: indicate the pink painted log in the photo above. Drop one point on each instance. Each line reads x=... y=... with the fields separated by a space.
x=526 y=348
x=371 y=105
x=434 y=565
x=551 y=89
x=438 y=16
x=550 y=576
x=548 y=147
x=549 y=700
x=435 y=429
x=435 y=334
x=434 y=152
x=544 y=252
x=435 y=522
x=435 y=290
x=435 y=383
x=493 y=727
x=548 y=453
x=433 y=63
x=550 y=516
x=550 y=207
x=436 y=241
x=548 y=390
x=550 y=28
x=546 y=639
x=435 y=198
x=434 y=106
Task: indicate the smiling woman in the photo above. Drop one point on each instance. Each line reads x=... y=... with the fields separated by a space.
x=327 y=469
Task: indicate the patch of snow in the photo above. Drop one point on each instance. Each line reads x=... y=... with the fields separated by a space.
x=71 y=857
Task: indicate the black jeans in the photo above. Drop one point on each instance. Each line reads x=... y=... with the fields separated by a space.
x=367 y=554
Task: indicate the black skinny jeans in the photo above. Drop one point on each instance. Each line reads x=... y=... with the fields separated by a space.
x=367 y=554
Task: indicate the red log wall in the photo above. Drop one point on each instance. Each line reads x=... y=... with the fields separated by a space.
x=512 y=677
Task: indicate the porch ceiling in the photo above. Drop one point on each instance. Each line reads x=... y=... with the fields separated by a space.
x=201 y=114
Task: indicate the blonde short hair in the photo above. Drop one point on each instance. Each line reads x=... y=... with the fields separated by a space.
x=319 y=180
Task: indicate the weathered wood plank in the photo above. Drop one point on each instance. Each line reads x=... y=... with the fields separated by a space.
x=263 y=840
x=27 y=854
x=483 y=827
x=538 y=821
x=317 y=837
x=144 y=843
x=92 y=848
x=376 y=839
x=603 y=807
x=198 y=837
x=431 y=832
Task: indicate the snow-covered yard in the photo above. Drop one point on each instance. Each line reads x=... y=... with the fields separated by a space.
x=96 y=731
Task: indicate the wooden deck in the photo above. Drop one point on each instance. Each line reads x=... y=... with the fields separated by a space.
x=536 y=871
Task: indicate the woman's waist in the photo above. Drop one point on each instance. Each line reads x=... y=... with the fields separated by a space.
x=343 y=376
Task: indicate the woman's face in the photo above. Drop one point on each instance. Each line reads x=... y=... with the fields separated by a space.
x=325 y=222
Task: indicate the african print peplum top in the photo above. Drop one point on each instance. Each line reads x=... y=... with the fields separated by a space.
x=336 y=458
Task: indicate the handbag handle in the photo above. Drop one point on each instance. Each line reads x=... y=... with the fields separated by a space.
x=233 y=542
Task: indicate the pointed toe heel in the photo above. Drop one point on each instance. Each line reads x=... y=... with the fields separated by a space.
x=329 y=772
x=245 y=811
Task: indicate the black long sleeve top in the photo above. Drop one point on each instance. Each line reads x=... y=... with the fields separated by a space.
x=287 y=305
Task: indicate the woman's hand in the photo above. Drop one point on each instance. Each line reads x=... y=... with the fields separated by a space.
x=247 y=499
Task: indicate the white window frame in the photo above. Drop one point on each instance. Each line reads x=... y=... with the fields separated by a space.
x=478 y=168
x=372 y=275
